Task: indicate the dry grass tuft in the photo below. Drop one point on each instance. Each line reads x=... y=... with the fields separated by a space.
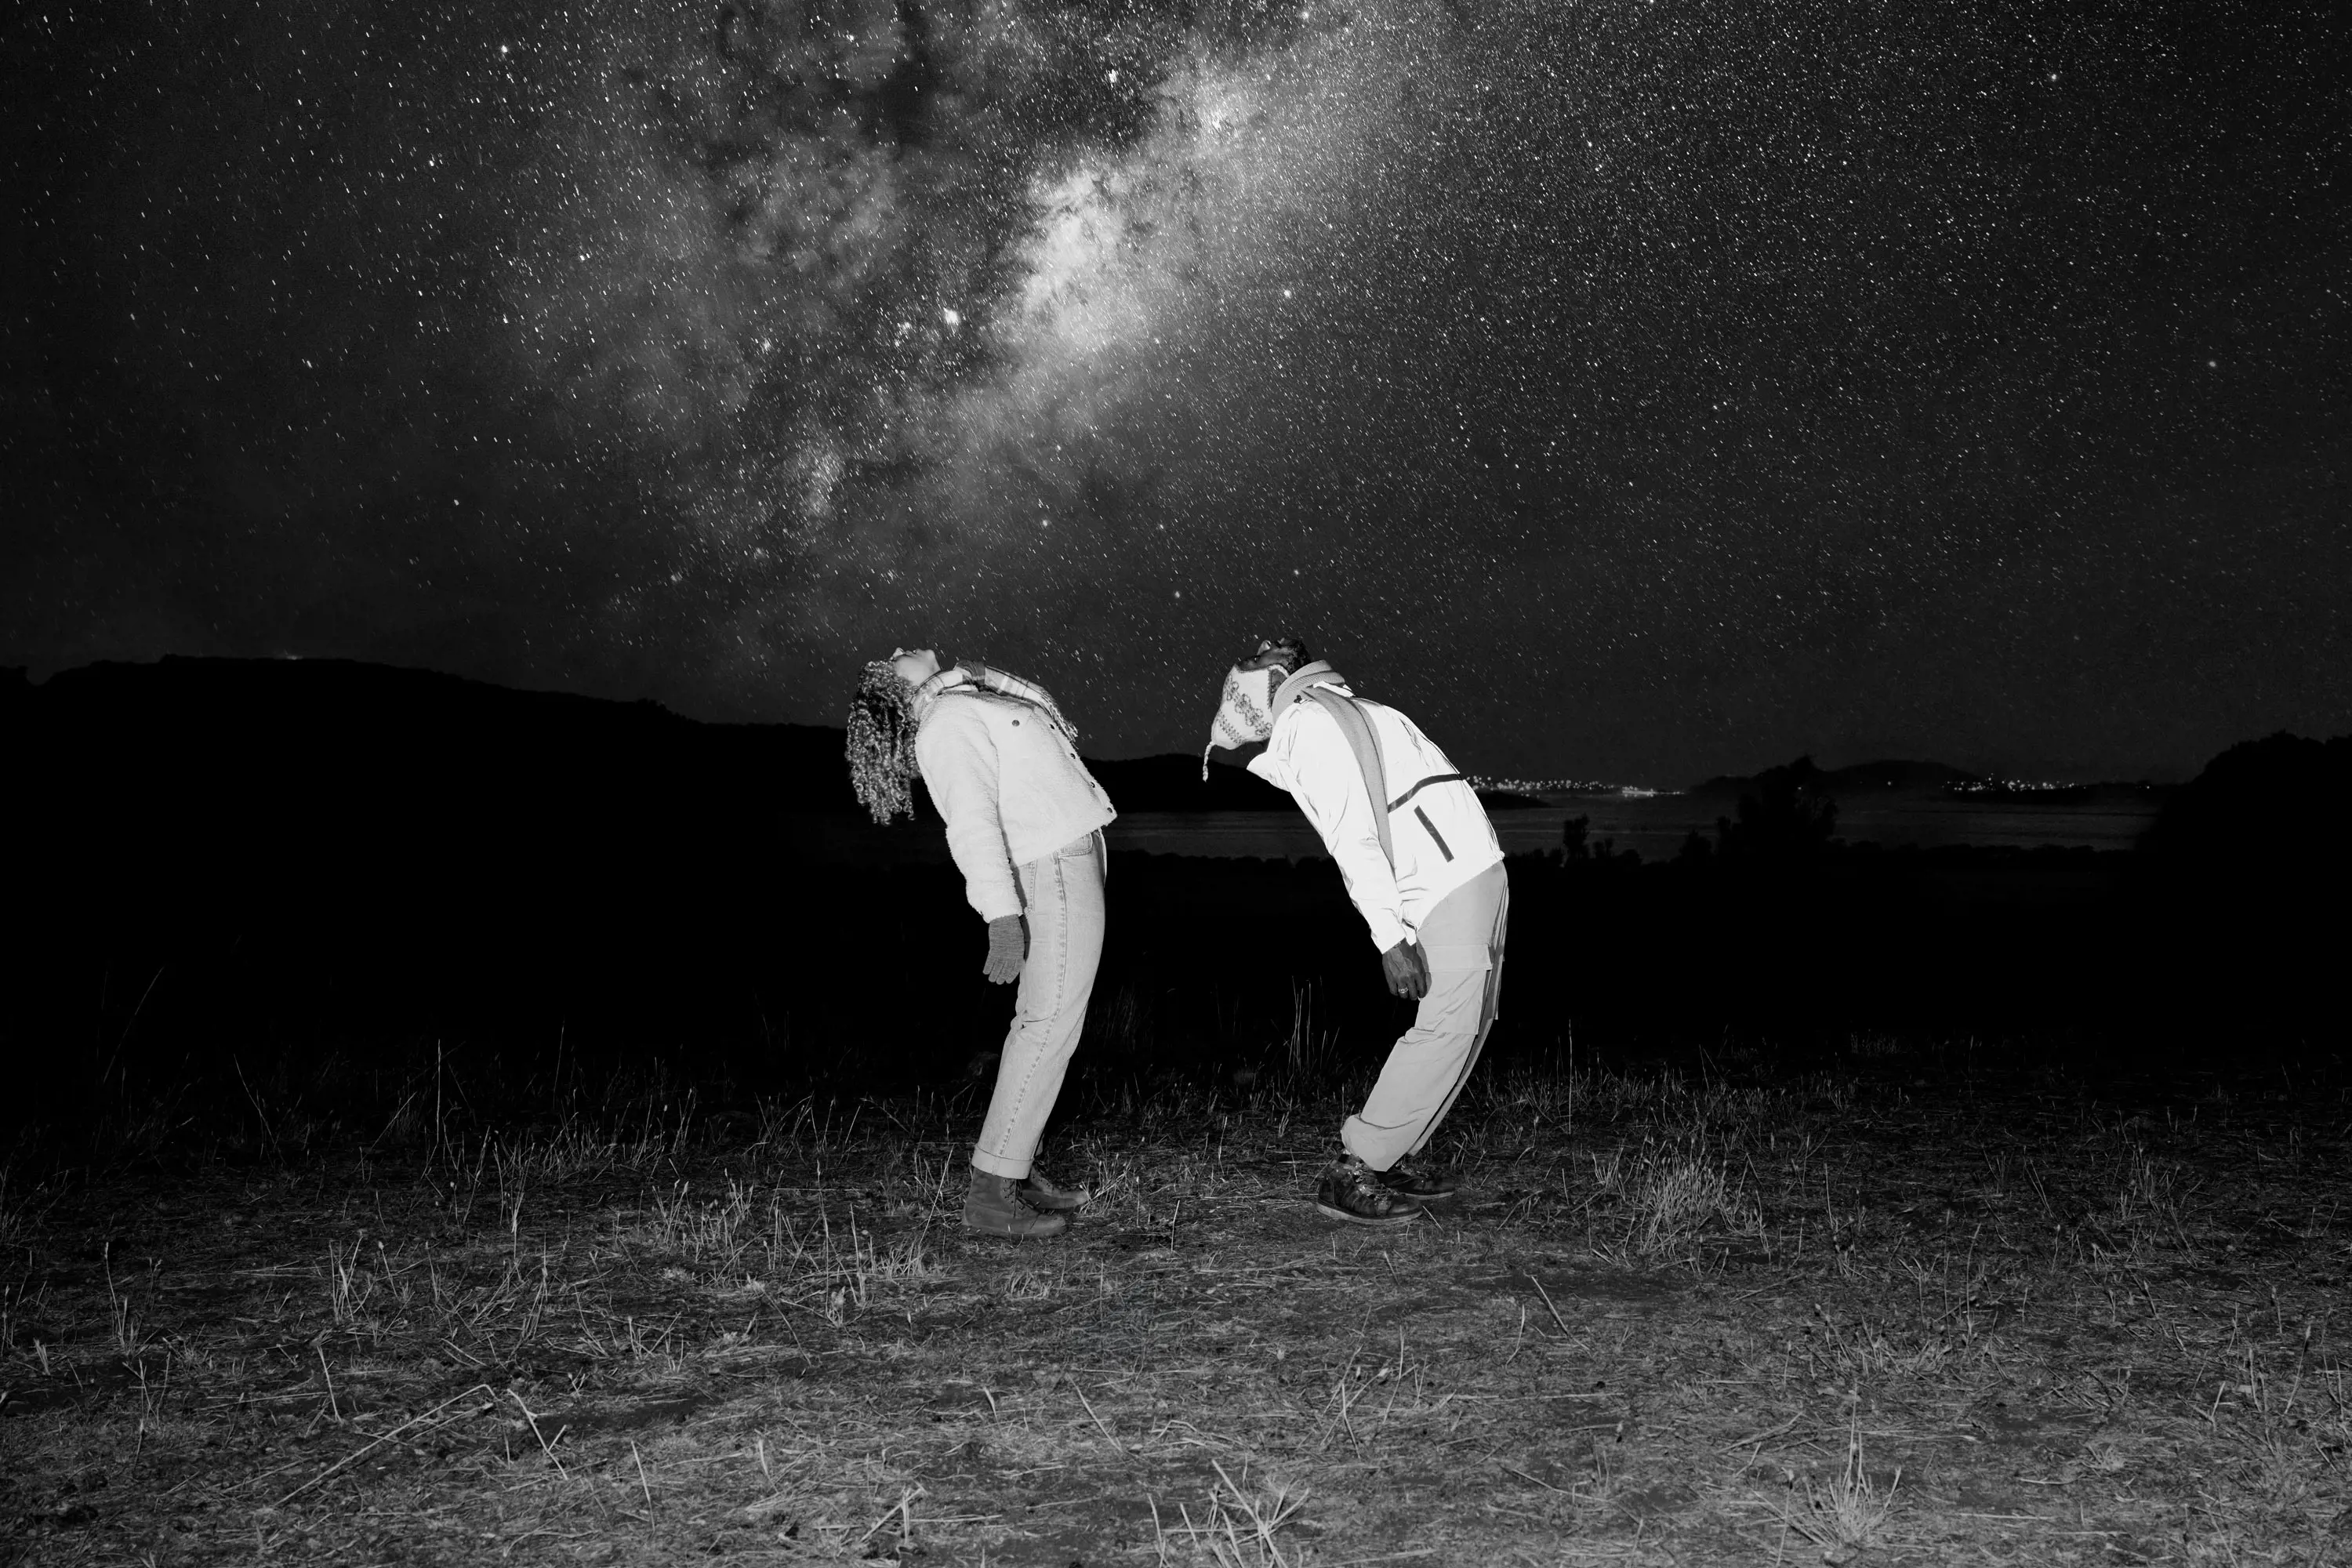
x=1850 y=1511
x=1671 y=1194
x=1237 y=1527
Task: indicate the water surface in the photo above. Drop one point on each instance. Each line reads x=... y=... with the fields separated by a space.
x=1653 y=827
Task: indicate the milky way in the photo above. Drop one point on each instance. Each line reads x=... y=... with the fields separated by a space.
x=1629 y=389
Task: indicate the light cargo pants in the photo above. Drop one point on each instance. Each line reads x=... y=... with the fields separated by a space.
x=1062 y=900
x=1463 y=941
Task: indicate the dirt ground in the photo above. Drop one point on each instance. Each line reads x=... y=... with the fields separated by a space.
x=1860 y=1317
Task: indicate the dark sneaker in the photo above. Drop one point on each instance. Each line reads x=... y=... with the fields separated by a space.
x=992 y=1208
x=1352 y=1189
x=1415 y=1179
x=1040 y=1193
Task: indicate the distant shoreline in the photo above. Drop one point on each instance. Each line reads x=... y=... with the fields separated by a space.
x=1653 y=827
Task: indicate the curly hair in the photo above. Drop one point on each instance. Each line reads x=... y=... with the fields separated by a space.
x=881 y=742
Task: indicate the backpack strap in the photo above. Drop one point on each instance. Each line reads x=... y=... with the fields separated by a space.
x=1316 y=680
x=1367 y=747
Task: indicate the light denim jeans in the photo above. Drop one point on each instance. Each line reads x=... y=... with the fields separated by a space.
x=1062 y=900
x=1463 y=941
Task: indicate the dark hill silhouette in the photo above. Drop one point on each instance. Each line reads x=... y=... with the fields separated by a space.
x=300 y=734
x=2258 y=794
x=195 y=792
x=206 y=739
x=1173 y=783
x=304 y=732
x=2240 y=882
x=1895 y=775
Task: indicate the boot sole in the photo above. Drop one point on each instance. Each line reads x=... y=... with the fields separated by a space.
x=1336 y=1212
x=1037 y=1226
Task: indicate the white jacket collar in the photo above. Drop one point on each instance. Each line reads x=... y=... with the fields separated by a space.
x=1319 y=673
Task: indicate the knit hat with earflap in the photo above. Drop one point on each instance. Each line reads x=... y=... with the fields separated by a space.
x=1245 y=707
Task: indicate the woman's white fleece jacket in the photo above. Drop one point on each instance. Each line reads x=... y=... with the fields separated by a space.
x=1009 y=786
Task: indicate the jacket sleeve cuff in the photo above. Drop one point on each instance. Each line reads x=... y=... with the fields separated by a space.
x=1387 y=929
x=994 y=903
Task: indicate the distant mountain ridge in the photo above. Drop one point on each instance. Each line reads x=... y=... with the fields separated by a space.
x=341 y=727
x=331 y=723
x=1886 y=775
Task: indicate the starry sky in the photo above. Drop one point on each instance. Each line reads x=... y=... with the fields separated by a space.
x=1629 y=389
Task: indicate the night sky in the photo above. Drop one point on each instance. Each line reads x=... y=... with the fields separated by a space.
x=1629 y=389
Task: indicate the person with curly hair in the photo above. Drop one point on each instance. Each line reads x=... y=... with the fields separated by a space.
x=1024 y=823
x=1424 y=868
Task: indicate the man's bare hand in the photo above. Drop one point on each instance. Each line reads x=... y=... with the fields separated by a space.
x=1008 y=945
x=1406 y=971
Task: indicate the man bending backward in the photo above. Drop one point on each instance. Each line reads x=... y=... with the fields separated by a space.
x=1421 y=863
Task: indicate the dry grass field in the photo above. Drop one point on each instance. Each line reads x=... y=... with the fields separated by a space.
x=1882 y=1315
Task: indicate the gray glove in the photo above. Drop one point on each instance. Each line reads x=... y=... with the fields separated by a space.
x=1008 y=944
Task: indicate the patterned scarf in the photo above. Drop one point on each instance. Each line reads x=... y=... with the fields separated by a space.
x=987 y=677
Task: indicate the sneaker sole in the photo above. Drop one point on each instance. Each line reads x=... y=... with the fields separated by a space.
x=1338 y=1213
x=1427 y=1197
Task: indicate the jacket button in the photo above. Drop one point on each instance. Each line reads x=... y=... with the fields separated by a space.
x=1016 y=724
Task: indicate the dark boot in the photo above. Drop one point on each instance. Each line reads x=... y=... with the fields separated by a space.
x=992 y=1206
x=1039 y=1193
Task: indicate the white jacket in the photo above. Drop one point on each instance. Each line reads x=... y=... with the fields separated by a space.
x=1441 y=835
x=1011 y=787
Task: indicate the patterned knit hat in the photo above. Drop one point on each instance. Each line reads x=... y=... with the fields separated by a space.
x=1245 y=707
